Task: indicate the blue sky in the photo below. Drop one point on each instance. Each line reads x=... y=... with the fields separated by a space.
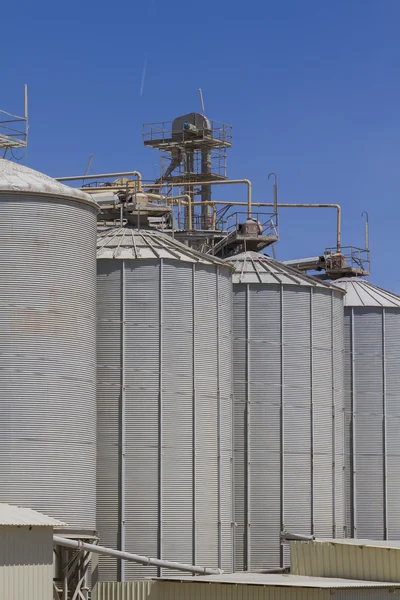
x=310 y=87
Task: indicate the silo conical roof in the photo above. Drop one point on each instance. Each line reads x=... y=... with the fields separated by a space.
x=132 y=244
x=252 y=267
x=360 y=292
x=16 y=178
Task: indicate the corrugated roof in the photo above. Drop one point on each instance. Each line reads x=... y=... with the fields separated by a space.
x=129 y=243
x=358 y=559
x=360 y=292
x=20 y=179
x=278 y=580
x=16 y=515
x=251 y=267
x=389 y=544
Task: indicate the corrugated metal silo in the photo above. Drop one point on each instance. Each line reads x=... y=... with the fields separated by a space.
x=372 y=410
x=288 y=409
x=47 y=346
x=164 y=477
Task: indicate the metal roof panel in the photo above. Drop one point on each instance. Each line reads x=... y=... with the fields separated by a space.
x=361 y=293
x=20 y=179
x=17 y=515
x=252 y=267
x=282 y=580
x=132 y=244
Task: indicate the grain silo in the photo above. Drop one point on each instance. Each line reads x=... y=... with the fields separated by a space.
x=164 y=476
x=47 y=346
x=288 y=409
x=372 y=410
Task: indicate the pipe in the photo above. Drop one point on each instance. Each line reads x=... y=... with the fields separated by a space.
x=144 y=560
x=104 y=176
x=268 y=204
x=292 y=537
x=205 y=183
x=274 y=175
x=188 y=203
x=295 y=537
x=338 y=218
x=365 y=213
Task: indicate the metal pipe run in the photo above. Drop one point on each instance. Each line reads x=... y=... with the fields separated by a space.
x=137 y=558
x=206 y=183
x=269 y=204
x=338 y=217
x=104 y=176
x=365 y=214
x=274 y=175
x=185 y=197
x=292 y=537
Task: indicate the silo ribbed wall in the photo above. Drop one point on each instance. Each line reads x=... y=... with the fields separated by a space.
x=372 y=367
x=164 y=476
x=47 y=353
x=288 y=407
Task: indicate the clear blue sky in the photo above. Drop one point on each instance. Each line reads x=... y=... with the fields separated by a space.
x=311 y=88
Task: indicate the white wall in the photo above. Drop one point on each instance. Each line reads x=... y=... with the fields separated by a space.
x=26 y=563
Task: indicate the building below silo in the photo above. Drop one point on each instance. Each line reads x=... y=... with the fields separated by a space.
x=372 y=410
x=26 y=554
x=288 y=409
x=249 y=586
x=164 y=424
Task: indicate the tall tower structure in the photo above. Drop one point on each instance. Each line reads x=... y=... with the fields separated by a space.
x=194 y=150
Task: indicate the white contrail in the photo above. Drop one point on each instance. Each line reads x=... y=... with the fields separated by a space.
x=143 y=76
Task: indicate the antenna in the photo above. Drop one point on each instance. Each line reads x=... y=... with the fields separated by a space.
x=365 y=214
x=26 y=113
x=275 y=196
x=201 y=101
x=89 y=164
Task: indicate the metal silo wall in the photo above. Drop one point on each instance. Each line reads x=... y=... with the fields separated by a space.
x=372 y=419
x=339 y=530
x=174 y=359
x=284 y=393
x=240 y=349
x=348 y=423
x=48 y=362
x=392 y=420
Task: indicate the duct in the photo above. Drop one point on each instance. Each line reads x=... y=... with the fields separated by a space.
x=290 y=537
x=285 y=205
x=206 y=183
x=144 y=560
x=104 y=176
x=106 y=199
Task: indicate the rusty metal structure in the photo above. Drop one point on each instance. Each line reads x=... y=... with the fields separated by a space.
x=193 y=161
x=14 y=129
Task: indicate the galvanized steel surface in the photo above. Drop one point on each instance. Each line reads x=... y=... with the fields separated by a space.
x=288 y=406
x=26 y=563
x=47 y=351
x=127 y=243
x=205 y=591
x=191 y=590
x=252 y=267
x=281 y=580
x=389 y=545
x=360 y=292
x=372 y=409
x=117 y=590
x=16 y=515
x=18 y=179
x=164 y=481
x=350 y=561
